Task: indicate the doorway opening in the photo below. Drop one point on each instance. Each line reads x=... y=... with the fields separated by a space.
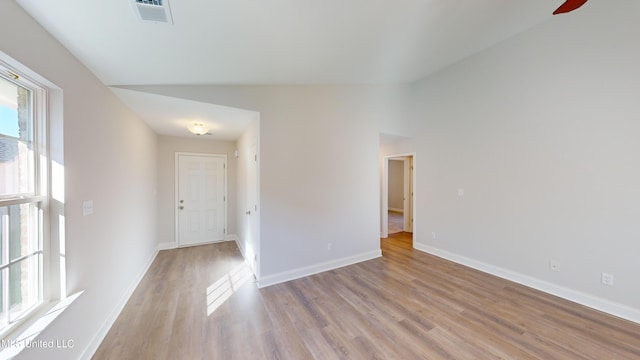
x=397 y=210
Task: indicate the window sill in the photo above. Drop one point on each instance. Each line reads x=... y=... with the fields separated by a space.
x=24 y=335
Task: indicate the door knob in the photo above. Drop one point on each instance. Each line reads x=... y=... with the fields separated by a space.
x=248 y=212
x=181 y=207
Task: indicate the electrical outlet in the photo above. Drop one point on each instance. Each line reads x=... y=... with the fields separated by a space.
x=607 y=279
x=329 y=246
x=554 y=265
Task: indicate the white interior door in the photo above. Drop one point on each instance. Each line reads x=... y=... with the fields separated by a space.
x=201 y=199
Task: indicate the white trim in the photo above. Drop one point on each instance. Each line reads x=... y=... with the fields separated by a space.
x=406 y=194
x=39 y=120
x=317 y=268
x=384 y=203
x=173 y=245
x=244 y=255
x=200 y=244
x=384 y=191
x=401 y=211
x=241 y=248
x=40 y=321
x=95 y=342
x=594 y=302
x=177 y=191
x=167 y=246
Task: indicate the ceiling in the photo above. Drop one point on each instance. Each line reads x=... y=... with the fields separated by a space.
x=170 y=116
x=282 y=41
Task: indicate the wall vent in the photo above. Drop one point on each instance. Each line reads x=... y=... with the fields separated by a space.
x=153 y=10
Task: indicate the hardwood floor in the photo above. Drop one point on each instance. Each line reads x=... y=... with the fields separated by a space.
x=405 y=305
x=396 y=222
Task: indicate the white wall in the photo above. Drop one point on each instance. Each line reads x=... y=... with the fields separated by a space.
x=542 y=133
x=396 y=185
x=318 y=168
x=167 y=147
x=248 y=242
x=109 y=157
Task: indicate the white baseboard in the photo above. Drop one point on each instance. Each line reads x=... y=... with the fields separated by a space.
x=167 y=246
x=173 y=245
x=90 y=350
x=594 y=302
x=317 y=268
x=401 y=211
x=250 y=262
x=242 y=249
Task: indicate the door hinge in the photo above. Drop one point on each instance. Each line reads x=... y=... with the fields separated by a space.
x=224 y=198
x=255 y=157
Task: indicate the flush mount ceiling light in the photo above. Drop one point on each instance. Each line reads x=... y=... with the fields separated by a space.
x=198 y=128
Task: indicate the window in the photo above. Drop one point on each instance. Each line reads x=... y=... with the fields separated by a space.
x=22 y=196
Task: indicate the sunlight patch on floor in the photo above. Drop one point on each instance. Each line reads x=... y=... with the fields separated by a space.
x=221 y=290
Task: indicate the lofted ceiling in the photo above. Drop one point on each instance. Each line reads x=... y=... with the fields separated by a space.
x=282 y=41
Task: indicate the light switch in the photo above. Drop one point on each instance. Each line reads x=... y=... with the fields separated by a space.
x=460 y=192
x=87 y=207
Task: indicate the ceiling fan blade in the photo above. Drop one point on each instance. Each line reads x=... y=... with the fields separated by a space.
x=569 y=6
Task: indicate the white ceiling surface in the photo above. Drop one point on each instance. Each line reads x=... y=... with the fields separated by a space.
x=170 y=116
x=274 y=42
x=282 y=41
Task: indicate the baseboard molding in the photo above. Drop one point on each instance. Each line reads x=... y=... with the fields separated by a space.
x=174 y=245
x=242 y=249
x=167 y=246
x=250 y=262
x=95 y=342
x=317 y=268
x=396 y=210
x=594 y=302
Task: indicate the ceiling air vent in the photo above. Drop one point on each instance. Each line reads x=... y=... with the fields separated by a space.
x=153 y=10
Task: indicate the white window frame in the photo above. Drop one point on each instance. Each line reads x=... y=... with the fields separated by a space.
x=39 y=197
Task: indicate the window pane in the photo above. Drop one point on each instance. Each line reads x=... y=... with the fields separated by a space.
x=4 y=233
x=16 y=167
x=24 y=286
x=23 y=230
x=21 y=160
x=3 y=316
x=15 y=110
x=16 y=140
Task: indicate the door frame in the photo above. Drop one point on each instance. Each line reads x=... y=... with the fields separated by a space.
x=384 y=203
x=251 y=254
x=176 y=200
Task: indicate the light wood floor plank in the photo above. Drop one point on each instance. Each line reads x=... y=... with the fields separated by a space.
x=405 y=305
